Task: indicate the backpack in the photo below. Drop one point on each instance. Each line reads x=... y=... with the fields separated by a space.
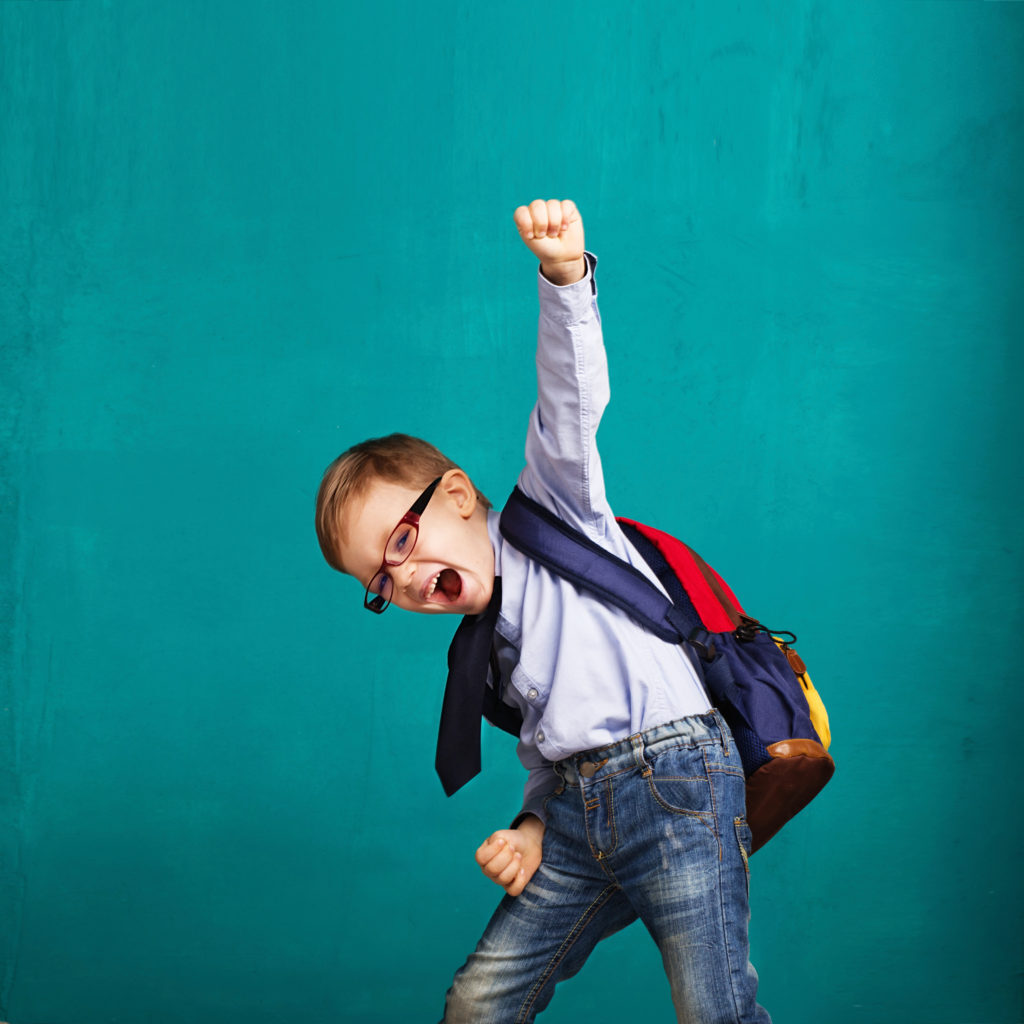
x=752 y=675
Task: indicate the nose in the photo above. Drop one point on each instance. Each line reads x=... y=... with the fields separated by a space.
x=403 y=574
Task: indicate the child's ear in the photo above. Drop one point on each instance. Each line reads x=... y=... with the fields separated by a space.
x=459 y=489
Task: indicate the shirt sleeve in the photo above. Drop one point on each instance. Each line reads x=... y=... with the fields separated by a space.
x=540 y=784
x=563 y=469
x=542 y=779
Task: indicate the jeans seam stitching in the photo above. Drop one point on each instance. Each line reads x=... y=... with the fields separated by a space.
x=726 y=938
x=714 y=807
x=567 y=943
x=611 y=823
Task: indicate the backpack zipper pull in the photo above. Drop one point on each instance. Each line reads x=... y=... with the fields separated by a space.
x=796 y=663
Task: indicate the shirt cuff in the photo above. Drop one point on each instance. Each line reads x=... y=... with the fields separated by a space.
x=569 y=303
x=539 y=786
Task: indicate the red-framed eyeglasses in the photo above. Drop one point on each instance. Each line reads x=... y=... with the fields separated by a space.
x=398 y=548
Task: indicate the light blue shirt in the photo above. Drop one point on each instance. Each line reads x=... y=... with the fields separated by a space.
x=583 y=674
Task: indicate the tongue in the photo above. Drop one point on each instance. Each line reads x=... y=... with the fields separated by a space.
x=450 y=584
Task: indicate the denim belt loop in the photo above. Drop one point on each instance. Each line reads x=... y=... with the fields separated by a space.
x=723 y=730
x=638 y=756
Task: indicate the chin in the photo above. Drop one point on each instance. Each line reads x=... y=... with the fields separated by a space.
x=483 y=600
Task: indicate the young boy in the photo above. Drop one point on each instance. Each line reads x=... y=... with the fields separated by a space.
x=634 y=804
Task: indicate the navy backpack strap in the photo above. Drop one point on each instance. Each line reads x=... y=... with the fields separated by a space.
x=539 y=533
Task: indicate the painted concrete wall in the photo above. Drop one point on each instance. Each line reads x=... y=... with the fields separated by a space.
x=235 y=238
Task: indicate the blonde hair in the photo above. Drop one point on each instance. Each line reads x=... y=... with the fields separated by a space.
x=397 y=458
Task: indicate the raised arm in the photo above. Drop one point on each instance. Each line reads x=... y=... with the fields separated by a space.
x=563 y=468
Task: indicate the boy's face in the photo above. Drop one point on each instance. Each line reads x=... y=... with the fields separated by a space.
x=451 y=568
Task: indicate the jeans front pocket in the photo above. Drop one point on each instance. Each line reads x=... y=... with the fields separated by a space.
x=678 y=780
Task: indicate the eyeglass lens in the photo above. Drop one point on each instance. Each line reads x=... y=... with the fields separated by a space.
x=400 y=546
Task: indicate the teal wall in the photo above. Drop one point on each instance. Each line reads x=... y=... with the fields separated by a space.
x=235 y=238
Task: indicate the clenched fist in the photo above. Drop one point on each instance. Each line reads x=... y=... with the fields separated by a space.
x=510 y=857
x=553 y=231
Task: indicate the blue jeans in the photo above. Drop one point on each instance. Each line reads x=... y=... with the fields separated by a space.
x=651 y=827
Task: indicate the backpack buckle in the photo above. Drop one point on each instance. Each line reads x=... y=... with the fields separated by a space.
x=700 y=640
x=747 y=629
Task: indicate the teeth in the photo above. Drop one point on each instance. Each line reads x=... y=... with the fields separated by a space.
x=433 y=585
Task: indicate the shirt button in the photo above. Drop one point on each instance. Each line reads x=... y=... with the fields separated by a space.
x=532 y=693
x=540 y=735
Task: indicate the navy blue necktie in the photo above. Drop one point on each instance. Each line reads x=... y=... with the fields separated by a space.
x=467 y=698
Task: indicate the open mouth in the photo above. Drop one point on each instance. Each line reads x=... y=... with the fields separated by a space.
x=447 y=584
